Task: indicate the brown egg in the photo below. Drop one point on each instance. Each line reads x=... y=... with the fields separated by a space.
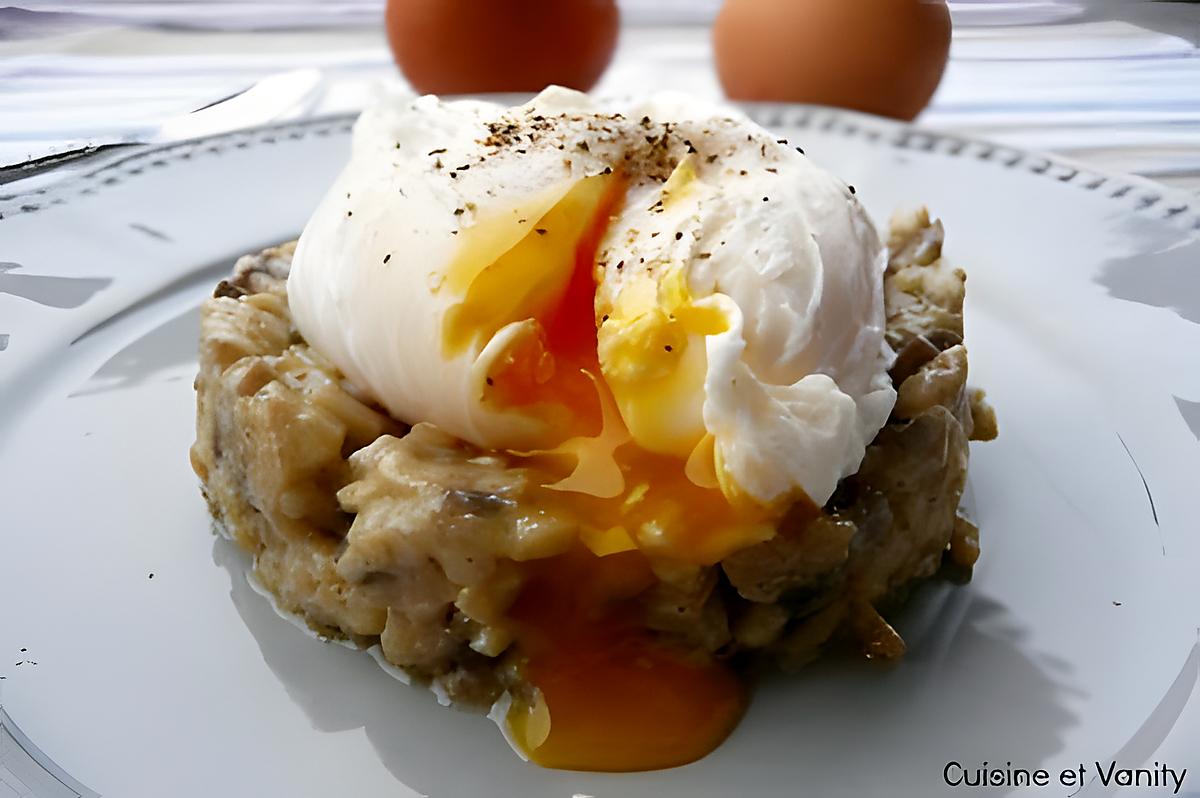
x=881 y=56
x=467 y=46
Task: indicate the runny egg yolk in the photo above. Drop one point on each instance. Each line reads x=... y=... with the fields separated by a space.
x=609 y=695
x=543 y=286
x=622 y=392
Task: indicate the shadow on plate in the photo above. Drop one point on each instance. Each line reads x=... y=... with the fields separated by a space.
x=1167 y=277
x=64 y=293
x=171 y=344
x=1162 y=272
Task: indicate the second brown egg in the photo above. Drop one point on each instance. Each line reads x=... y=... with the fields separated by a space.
x=880 y=56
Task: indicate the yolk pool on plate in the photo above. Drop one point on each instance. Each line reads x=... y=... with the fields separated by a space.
x=610 y=695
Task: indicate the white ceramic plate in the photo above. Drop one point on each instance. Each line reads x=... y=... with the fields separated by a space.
x=1076 y=642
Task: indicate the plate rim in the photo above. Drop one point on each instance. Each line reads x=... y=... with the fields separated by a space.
x=1142 y=196
x=875 y=131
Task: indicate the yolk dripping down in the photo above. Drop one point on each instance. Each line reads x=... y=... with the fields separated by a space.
x=610 y=696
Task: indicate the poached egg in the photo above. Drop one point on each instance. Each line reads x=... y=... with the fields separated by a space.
x=660 y=295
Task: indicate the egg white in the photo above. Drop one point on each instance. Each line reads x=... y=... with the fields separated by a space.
x=774 y=398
